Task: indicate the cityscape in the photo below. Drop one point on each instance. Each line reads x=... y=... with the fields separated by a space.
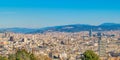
x=63 y=45
x=59 y=30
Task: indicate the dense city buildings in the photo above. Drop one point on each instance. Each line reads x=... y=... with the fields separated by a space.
x=63 y=45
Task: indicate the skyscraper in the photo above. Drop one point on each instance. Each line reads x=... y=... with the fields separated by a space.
x=101 y=44
x=90 y=33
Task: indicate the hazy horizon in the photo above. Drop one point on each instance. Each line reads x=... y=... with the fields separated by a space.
x=55 y=25
x=45 y=13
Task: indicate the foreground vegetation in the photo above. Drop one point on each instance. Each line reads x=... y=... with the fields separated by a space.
x=24 y=55
x=90 y=55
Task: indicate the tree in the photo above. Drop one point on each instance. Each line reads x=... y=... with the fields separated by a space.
x=90 y=55
x=24 y=55
x=12 y=57
x=3 y=58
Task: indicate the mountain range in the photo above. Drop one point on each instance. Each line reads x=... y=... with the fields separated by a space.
x=65 y=28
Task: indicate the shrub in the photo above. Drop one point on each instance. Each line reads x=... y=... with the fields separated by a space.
x=90 y=55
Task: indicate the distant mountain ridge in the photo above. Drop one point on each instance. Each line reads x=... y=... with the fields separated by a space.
x=17 y=30
x=65 y=28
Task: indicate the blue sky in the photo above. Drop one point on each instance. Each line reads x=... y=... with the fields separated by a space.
x=43 y=13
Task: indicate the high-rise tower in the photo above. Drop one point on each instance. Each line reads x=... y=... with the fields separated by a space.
x=101 y=44
x=90 y=33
